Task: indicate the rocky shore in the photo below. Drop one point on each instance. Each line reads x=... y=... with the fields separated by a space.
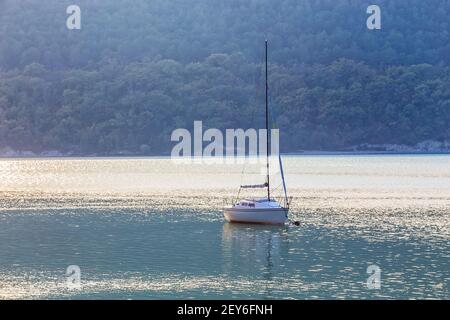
x=428 y=146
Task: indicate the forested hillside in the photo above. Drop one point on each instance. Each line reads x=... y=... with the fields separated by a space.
x=139 y=69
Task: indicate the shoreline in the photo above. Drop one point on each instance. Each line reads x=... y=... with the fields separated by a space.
x=427 y=147
x=287 y=154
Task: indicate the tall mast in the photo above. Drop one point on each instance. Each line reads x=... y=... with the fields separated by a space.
x=267 y=130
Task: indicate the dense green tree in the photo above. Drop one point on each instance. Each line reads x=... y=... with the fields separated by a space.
x=137 y=70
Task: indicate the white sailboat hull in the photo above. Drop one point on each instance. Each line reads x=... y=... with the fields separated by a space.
x=256 y=215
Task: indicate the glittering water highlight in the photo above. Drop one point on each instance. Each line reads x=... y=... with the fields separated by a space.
x=150 y=228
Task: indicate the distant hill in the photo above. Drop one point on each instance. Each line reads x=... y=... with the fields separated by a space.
x=139 y=69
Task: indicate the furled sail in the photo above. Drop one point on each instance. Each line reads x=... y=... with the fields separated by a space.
x=254 y=186
x=282 y=178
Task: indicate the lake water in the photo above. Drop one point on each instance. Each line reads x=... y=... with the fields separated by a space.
x=150 y=228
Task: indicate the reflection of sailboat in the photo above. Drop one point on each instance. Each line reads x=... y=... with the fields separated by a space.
x=265 y=210
x=257 y=250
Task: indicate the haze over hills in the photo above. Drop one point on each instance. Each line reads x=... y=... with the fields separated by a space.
x=139 y=69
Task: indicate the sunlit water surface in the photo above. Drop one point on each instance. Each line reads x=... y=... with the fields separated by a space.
x=152 y=228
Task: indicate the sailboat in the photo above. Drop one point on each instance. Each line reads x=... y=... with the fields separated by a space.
x=264 y=210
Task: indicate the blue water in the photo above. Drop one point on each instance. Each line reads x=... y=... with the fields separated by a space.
x=149 y=229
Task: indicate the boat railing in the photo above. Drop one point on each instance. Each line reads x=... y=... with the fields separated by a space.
x=284 y=202
x=228 y=202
